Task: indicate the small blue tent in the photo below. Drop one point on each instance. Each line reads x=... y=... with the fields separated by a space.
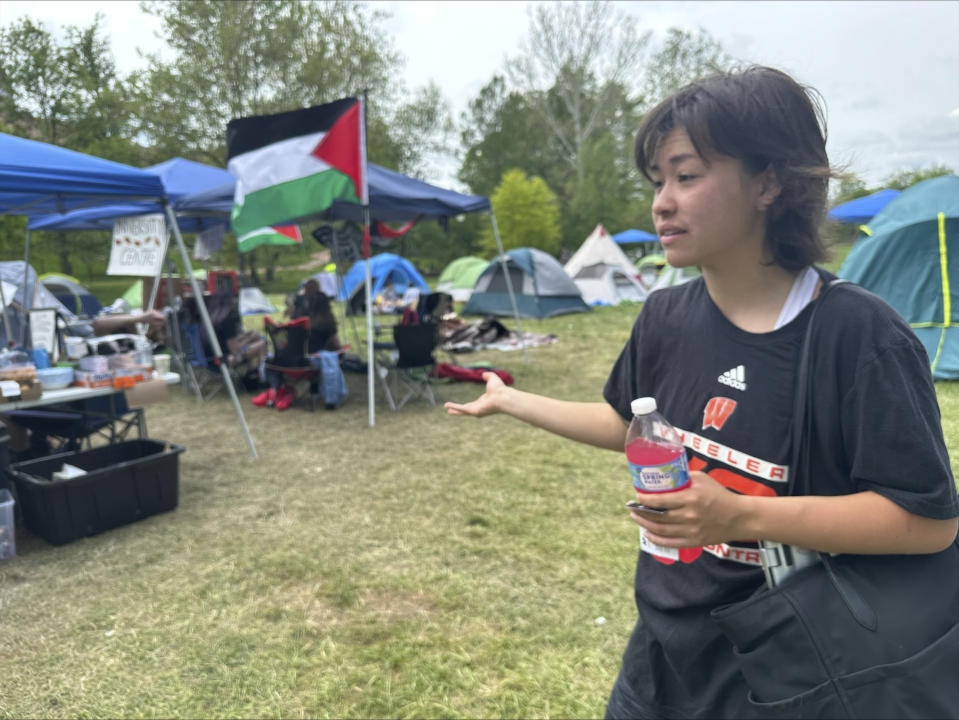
x=909 y=255
x=862 y=210
x=180 y=178
x=383 y=267
x=39 y=178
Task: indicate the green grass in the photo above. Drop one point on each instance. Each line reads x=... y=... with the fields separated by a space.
x=431 y=566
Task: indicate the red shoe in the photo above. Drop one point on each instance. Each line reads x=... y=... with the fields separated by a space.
x=284 y=398
x=264 y=399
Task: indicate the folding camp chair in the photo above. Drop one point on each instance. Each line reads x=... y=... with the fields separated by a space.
x=75 y=426
x=408 y=366
x=290 y=360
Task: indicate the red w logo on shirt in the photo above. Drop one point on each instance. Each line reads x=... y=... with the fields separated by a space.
x=717 y=412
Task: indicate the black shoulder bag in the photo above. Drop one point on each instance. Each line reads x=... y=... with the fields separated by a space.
x=848 y=636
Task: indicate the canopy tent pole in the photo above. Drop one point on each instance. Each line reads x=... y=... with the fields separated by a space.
x=156 y=282
x=370 y=366
x=365 y=201
x=6 y=320
x=201 y=306
x=27 y=295
x=509 y=285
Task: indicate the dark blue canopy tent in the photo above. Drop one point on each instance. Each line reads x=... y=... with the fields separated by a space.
x=180 y=178
x=393 y=197
x=862 y=210
x=36 y=178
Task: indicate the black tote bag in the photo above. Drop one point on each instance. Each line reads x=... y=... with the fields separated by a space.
x=852 y=636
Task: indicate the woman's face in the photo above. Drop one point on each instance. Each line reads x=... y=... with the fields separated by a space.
x=710 y=211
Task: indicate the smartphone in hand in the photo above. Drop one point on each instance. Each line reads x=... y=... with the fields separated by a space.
x=639 y=507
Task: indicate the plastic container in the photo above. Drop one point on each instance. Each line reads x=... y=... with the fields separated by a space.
x=657 y=464
x=8 y=545
x=55 y=377
x=124 y=482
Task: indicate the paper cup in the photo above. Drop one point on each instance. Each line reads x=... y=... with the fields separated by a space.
x=161 y=363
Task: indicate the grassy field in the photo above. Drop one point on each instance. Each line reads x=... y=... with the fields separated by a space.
x=431 y=566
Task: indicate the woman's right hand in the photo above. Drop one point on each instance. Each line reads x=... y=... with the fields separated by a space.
x=488 y=403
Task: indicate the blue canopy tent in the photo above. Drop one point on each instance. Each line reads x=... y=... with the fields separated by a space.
x=180 y=178
x=37 y=177
x=862 y=210
x=627 y=237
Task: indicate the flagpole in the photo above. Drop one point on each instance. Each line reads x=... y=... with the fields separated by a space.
x=365 y=200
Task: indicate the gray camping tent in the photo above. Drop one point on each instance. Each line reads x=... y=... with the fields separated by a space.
x=541 y=286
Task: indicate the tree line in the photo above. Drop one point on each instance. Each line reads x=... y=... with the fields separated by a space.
x=548 y=138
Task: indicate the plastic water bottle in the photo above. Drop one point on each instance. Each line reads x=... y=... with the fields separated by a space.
x=657 y=462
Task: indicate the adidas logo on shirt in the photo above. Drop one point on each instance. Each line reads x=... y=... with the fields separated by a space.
x=734 y=377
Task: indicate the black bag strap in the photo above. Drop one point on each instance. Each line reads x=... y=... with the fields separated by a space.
x=799 y=477
x=799 y=482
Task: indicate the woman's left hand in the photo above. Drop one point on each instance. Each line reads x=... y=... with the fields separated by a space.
x=703 y=513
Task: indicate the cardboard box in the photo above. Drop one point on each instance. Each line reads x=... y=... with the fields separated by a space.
x=93 y=380
x=31 y=389
x=148 y=391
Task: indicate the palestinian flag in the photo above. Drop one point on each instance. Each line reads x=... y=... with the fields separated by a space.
x=294 y=165
x=277 y=235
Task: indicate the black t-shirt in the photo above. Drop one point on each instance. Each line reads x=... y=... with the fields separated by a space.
x=876 y=427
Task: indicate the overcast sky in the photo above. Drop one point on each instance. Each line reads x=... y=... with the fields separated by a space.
x=889 y=71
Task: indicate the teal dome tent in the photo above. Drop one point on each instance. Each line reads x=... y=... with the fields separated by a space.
x=908 y=254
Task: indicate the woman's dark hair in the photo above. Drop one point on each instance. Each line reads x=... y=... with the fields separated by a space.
x=764 y=118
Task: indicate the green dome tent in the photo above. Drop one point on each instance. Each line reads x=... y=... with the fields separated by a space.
x=908 y=254
x=541 y=286
x=459 y=277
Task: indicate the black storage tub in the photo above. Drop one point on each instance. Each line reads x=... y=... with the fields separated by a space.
x=125 y=482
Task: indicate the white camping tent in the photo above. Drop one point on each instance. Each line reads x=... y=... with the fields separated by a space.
x=603 y=273
x=603 y=284
x=599 y=247
x=254 y=302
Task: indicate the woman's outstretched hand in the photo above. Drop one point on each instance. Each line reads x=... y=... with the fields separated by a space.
x=488 y=403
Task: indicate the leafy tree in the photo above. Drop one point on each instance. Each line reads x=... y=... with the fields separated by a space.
x=501 y=131
x=906 y=178
x=36 y=77
x=684 y=56
x=573 y=59
x=526 y=213
x=66 y=93
x=235 y=59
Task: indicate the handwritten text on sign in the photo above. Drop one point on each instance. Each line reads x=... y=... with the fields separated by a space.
x=138 y=246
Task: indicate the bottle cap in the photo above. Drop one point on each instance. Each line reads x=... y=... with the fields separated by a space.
x=643 y=406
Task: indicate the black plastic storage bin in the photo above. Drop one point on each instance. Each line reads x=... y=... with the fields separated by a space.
x=125 y=482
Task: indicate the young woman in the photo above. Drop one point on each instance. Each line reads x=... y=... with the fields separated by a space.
x=740 y=172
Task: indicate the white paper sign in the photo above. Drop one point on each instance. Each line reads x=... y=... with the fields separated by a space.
x=139 y=246
x=43 y=330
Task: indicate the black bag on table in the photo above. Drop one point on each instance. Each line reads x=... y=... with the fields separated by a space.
x=849 y=636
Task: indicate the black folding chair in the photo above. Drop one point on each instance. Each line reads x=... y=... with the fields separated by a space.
x=410 y=370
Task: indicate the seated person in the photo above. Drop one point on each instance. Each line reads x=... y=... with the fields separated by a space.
x=315 y=305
